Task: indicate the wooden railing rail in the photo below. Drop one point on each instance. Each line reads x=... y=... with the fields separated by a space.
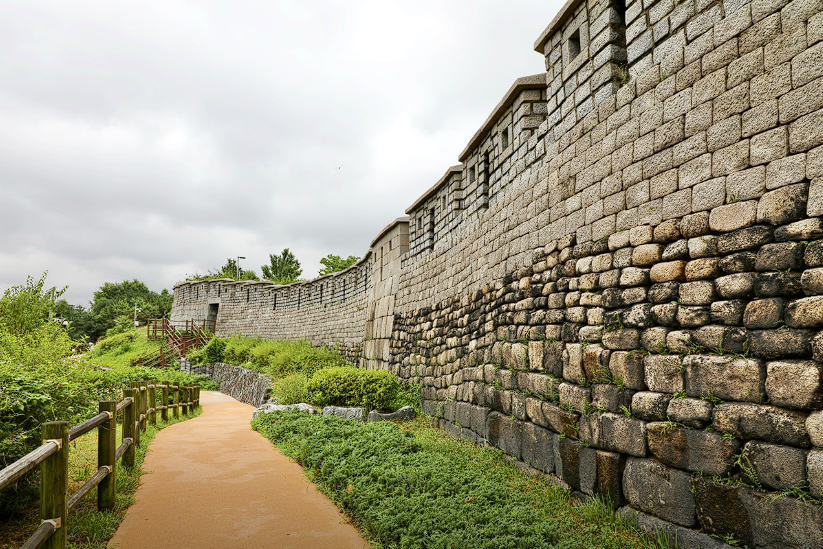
x=139 y=406
x=178 y=338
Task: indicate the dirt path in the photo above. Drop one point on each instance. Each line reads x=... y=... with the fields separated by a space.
x=215 y=483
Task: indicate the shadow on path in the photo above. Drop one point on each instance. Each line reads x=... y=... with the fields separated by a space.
x=212 y=482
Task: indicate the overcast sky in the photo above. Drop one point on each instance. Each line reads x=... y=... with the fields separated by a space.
x=154 y=139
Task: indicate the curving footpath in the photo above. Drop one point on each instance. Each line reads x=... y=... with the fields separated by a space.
x=215 y=483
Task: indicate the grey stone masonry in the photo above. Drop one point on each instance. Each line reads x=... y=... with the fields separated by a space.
x=621 y=280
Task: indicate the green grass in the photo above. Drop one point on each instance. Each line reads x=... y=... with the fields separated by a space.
x=413 y=486
x=88 y=528
x=121 y=349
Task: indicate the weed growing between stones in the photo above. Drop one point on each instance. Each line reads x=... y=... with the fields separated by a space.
x=414 y=486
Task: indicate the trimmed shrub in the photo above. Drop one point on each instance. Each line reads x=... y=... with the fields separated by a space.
x=351 y=386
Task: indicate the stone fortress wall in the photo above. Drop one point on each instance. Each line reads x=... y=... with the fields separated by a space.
x=622 y=282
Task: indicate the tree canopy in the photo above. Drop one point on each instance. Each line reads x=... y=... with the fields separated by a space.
x=24 y=308
x=229 y=270
x=283 y=268
x=334 y=263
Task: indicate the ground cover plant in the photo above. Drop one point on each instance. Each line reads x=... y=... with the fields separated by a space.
x=413 y=486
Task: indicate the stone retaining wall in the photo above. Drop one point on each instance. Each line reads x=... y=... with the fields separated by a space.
x=622 y=283
x=239 y=383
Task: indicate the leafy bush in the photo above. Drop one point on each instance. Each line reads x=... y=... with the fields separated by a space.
x=351 y=386
x=238 y=349
x=291 y=389
x=211 y=352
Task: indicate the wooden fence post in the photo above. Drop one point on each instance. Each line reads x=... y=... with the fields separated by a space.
x=153 y=403
x=106 y=448
x=143 y=405
x=128 y=427
x=54 y=475
x=164 y=413
x=185 y=399
x=176 y=399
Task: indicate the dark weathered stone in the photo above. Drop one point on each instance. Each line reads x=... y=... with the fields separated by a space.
x=567 y=461
x=611 y=397
x=650 y=406
x=813 y=255
x=356 y=414
x=756 y=421
x=627 y=368
x=575 y=396
x=735 y=285
x=693 y=316
x=614 y=432
x=538 y=447
x=780 y=343
x=650 y=486
x=763 y=314
x=692 y=412
x=505 y=433
x=744 y=239
x=610 y=466
x=704 y=268
x=780 y=256
x=778 y=284
x=710 y=337
x=721 y=511
x=740 y=262
x=795 y=383
x=697 y=293
x=654 y=339
x=664 y=292
x=814 y=469
x=676 y=250
x=724 y=377
x=812 y=281
x=546 y=414
x=622 y=339
x=776 y=467
x=677 y=536
x=664 y=373
x=638 y=316
x=783 y=205
x=806 y=312
x=805 y=229
x=665 y=314
x=699 y=451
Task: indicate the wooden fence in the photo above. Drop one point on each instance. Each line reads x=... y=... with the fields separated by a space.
x=139 y=408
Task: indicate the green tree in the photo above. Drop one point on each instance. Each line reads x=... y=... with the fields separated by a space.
x=283 y=268
x=334 y=263
x=114 y=301
x=229 y=270
x=26 y=307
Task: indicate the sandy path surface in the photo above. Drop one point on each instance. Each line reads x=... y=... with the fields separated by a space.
x=215 y=483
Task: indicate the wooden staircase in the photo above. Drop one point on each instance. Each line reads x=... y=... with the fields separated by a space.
x=177 y=339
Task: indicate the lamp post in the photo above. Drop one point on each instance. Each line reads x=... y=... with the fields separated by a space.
x=237 y=264
x=135 y=313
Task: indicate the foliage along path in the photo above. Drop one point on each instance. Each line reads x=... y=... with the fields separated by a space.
x=213 y=482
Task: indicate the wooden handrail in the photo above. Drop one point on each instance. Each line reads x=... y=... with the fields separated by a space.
x=53 y=454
